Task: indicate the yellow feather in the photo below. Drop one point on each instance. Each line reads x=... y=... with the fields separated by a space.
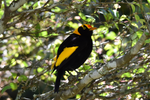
x=65 y=54
x=76 y=32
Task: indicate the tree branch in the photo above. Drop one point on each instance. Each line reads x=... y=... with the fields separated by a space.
x=6 y=17
x=95 y=74
x=16 y=4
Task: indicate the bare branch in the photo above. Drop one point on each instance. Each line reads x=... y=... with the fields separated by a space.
x=16 y=4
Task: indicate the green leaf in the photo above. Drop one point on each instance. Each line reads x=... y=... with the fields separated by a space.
x=73 y=25
x=94 y=0
x=102 y=11
x=141 y=70
x=116 y=24
x=136 y=95
x=25 y=64
x=44 y=34
x=1 y=13
x=103 y=94
x=53 y=34
x=16 y=55
x=108 y=46
x=134 y=24
x=85 y=67
x=108 y=16
x=134 y=42
x=133 y=7
x=137 y=17
x=13 y=86
x=82 y=16
x=22 y=78
x=142 y=21
x=136 y=3
x=148 y=1
x=111 y=35
x=14 y=75
x=5 y=88
x=147 y=41
x=40 y=69
x=134 y=70
x=110 y=49
x=90 y=18
x=56 y=9
x=126 y=75
x=146 y=33
x=38 y=27
x=118 y=0
x=13 y=62
x=133 y=36
x=110 y=52
x=78 y=96
x=99 y=61
x=112 y=12
x=123 y=17
x=139 y=33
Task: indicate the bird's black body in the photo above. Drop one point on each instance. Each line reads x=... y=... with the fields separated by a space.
x=84 y=45
x=79 y=56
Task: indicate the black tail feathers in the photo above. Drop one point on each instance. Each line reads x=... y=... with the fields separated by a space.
x=57 y=83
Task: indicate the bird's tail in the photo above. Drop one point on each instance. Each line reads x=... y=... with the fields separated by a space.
x=57 y=83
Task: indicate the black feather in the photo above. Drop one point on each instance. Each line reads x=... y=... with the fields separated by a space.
x=57 y=83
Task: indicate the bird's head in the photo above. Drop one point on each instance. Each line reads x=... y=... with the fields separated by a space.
x=84 y=30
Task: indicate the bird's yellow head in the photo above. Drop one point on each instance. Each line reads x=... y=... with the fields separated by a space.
x=85 y=28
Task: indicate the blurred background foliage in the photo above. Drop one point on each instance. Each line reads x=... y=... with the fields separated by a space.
x=34 y=32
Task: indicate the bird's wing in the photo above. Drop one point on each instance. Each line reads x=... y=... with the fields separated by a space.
x=67 y=52
x=69 y=42
x=68 y=49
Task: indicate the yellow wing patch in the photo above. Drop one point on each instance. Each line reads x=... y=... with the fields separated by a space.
x=65 y=54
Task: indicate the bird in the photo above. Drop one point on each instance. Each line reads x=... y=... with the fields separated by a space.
x=73 y=52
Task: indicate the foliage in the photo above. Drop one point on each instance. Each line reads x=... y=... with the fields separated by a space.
x=33 y=32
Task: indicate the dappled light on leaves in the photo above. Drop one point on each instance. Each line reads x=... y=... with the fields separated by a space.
x=31 y=32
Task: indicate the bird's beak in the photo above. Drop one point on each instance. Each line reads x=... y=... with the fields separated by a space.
x=93 y=28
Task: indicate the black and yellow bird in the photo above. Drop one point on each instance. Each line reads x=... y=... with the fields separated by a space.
x=73 y=52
